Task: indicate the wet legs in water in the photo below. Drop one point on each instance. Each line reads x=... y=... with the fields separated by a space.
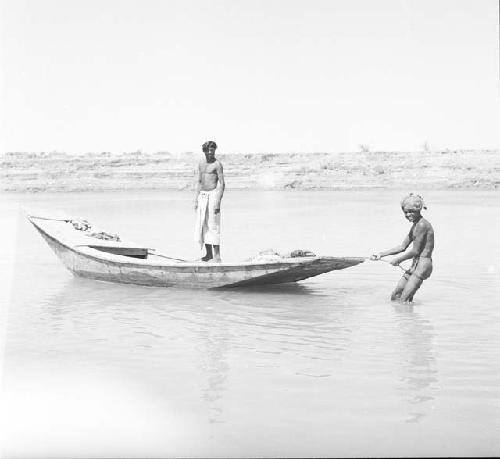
x=406 y=288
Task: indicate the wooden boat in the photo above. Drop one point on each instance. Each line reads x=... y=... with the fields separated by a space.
x=128 y=263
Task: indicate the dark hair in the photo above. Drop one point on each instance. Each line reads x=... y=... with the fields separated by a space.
x=207 y=145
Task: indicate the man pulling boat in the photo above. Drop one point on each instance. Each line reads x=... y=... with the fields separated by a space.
x=210 y=187
x=422 y=236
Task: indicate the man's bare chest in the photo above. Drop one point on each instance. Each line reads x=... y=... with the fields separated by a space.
x=209 y=169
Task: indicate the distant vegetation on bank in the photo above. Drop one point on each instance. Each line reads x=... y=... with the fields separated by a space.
x=461 y=169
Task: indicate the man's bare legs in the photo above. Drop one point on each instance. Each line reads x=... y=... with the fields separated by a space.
x=413 y=284
x=406 y=288
x=217 y=254
x=396 y=294
x=209 y=255
x=212 y=255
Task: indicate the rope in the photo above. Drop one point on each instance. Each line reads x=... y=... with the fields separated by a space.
x=164 y=256
x=399 y=266
x=387 y=261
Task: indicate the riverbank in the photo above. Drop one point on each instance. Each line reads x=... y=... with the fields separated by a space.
x=449 y=169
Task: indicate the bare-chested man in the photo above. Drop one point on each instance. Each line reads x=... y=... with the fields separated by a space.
x=422 y=236
x=209 y=191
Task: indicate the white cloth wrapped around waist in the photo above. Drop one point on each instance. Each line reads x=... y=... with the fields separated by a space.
x=207 y=228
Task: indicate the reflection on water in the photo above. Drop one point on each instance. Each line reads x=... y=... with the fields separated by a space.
x=214 y=340
x=325 y=367
x=418 y=361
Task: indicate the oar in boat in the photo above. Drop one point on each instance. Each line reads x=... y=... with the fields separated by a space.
x=51 y=219
x=149 y=251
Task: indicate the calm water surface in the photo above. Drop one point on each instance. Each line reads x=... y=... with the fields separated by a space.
x=325 y=367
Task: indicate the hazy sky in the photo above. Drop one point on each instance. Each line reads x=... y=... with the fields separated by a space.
x=256 y=76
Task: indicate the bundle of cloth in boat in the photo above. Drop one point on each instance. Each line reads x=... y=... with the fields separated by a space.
x=271 y=254
x=81 y=225
x=85 y=226
x=301 y=253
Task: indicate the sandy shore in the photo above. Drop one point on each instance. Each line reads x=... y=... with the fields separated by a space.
x=455 y=169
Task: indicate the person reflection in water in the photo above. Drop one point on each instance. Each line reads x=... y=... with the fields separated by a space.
x=422 y=236
x=209 y=191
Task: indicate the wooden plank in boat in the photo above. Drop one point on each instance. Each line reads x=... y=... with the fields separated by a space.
x=135 y=252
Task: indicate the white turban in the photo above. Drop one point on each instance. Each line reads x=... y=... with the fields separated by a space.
x=413 y=201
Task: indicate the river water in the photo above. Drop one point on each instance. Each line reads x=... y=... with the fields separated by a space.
x=325 y=367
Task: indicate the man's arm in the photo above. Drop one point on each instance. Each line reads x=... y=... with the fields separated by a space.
x=418 y=245
x=197 y=186
x=398 y=249
x=222 y=186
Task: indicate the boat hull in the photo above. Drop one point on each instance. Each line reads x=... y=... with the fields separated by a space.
x=93 y=264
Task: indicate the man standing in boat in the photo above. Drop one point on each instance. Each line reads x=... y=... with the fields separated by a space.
x=209 y=191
